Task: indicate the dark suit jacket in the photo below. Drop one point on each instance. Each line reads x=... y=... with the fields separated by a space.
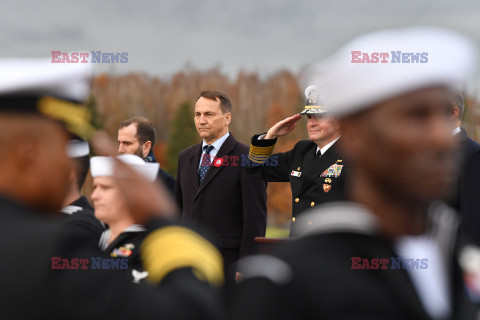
x=230 y=202
x=467 y=198
x=311 y=182
x=163 y=176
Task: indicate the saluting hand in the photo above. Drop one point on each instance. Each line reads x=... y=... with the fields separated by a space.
x=283 y=127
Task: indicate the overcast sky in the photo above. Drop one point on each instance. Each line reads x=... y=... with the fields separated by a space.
x=161 y=37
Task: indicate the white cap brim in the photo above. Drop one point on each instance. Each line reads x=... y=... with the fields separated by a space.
x=69 y=81
x=77 y=149
x=105 y=166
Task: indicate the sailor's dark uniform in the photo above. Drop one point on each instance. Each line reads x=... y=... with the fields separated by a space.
x=127 y=246
x=316 y=277
x=79 y=215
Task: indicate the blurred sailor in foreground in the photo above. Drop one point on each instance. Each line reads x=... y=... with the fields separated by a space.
x=391 y=252
x=314 y=168
x=78 y=212
x=35 y=273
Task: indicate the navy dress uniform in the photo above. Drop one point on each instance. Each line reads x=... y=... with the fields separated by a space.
x=313 y=276
x=79 y=215
x=314 y=178
x=127 y=246
x=466 y=199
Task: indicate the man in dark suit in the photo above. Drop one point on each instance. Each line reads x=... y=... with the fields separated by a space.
x=136 y=136
x=314 y=168
x=213 y=190
x=390 y=252
x=466 y=199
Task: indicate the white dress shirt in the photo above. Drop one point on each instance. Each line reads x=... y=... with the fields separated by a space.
x=216 y=146
x=327 y=146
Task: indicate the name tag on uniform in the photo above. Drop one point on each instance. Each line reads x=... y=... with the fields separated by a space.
x=296 y=173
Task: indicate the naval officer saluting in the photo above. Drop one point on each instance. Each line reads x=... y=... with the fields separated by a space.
x=314 y=168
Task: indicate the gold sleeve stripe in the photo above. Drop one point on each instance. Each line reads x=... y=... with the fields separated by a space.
x=260 y=154
x=75 y=117
x=262 y=150
x=174 y=247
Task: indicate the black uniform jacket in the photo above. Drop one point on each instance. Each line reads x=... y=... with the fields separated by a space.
x=31 y=289
x=80 y=216
x=229 y=201
x=467 y=197
x=127 y=246
x=313 y=180
x=312 y=277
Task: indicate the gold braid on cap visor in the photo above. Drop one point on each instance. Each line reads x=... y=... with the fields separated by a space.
x=75 y=117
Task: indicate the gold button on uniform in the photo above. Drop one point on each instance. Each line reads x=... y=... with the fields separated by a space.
x=293 y=219
x=297 y=199
x=312 y=204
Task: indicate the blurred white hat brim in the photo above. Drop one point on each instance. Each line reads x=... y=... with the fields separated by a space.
x=349 y=87
x=69 y=81
x=105 y=166
x=77 y=149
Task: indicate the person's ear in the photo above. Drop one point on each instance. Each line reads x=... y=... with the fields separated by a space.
x=72 y=178
x=454 y=113
x=228 y=118
x=147 y=146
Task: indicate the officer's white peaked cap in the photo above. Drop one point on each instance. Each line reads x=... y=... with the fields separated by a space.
x=105 y=166
x=418 y=57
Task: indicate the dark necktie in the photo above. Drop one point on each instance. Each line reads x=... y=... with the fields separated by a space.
x=205 y=164
x=318 y=154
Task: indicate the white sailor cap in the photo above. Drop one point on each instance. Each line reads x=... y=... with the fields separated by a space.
x=381 y=65
x=78 y=149
x=105 y=166
x=55 y=90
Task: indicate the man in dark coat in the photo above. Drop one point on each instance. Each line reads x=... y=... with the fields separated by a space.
x=48 y=272
x=466 y=198
x=213 y=190
x=314 y=168
x=390 y=252
x=137 y=136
